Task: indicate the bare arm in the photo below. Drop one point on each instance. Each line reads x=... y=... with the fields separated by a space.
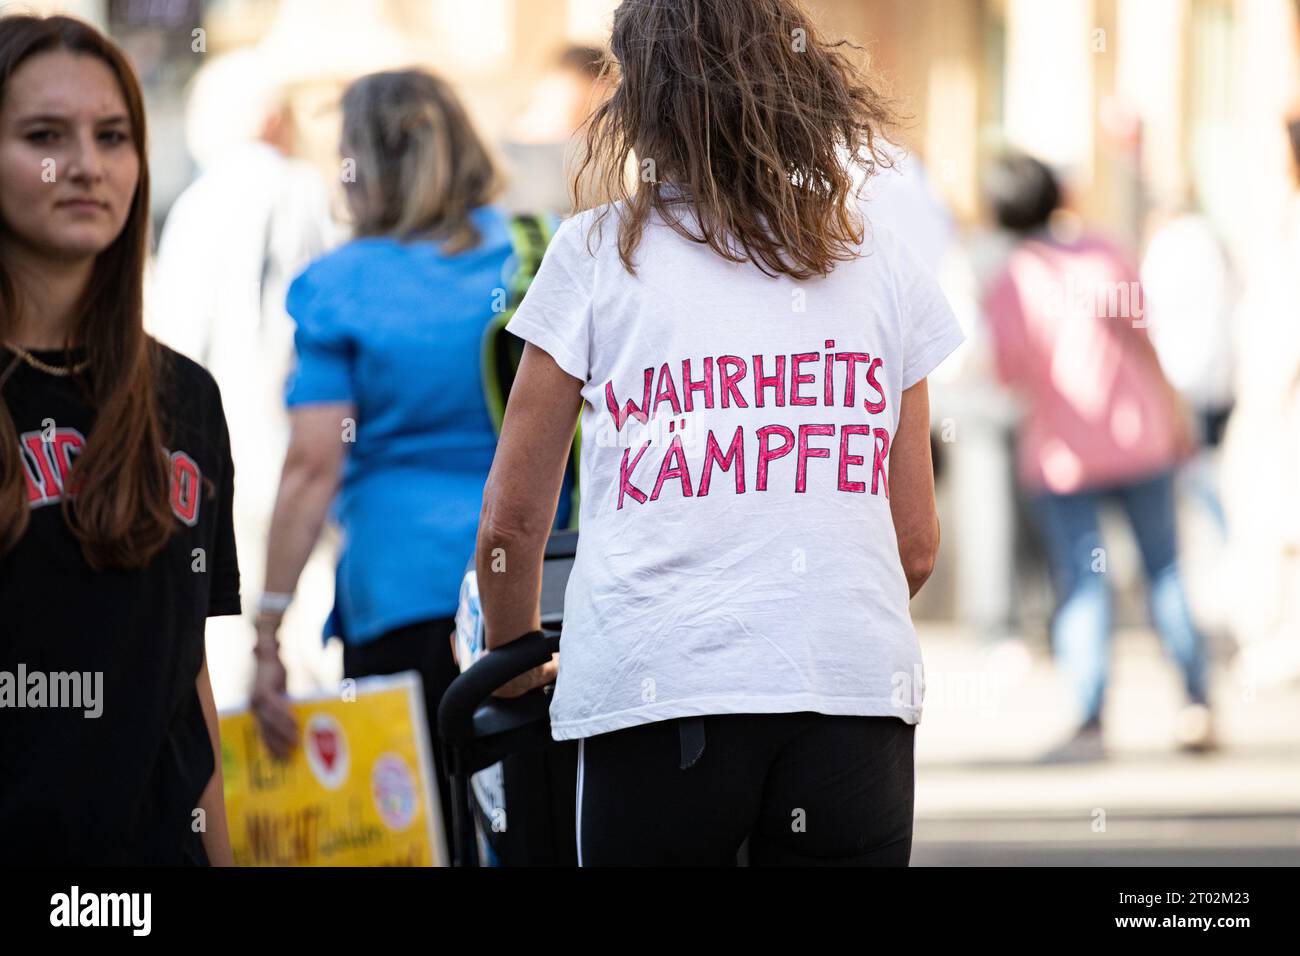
x=312 y=468
x=310 y=479
x=216 y=833
x=911 y=488
x=521 y=494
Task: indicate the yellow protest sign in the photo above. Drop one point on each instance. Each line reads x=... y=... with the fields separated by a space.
x=357 y=791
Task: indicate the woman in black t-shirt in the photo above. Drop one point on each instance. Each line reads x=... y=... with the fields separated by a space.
x=115 y=486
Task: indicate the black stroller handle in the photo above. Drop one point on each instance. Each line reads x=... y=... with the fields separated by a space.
x=471 y=688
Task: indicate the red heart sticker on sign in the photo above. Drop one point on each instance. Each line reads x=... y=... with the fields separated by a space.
x=327 y=745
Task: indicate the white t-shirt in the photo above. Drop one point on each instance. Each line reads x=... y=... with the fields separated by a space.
x=736 y=554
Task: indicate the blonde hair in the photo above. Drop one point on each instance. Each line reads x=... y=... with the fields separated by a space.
x=420 y=166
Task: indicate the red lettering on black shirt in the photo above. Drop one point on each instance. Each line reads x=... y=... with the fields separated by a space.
x=47 y=459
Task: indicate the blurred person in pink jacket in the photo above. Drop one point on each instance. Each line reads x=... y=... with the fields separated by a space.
x=1101 y=422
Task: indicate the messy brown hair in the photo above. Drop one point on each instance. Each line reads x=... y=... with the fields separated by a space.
x=120 y=513
x=752 y=117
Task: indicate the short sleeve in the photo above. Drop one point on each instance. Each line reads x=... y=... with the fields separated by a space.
x=555 y=314
x=931 y=331
x=223 y=597
x=324 y=351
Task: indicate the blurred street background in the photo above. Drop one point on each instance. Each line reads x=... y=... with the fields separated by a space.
x=1165 y=119
x=984 y=799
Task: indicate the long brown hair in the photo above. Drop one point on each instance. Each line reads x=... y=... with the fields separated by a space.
x=120 y=514
x=744 y=107
x=420 y=166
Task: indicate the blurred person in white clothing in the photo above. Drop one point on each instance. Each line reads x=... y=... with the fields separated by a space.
x=1189 y=293
x=1261 y=462
x=1189 y=290
x=231 y=244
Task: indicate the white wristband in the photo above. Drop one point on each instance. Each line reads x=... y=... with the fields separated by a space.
x=273 y=603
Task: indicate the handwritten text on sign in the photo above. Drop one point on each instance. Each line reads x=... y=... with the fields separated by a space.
x=355 y=792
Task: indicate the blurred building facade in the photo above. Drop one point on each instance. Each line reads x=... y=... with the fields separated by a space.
x=1137 y=101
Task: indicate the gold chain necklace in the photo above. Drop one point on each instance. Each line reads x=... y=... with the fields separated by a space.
x=60 y=370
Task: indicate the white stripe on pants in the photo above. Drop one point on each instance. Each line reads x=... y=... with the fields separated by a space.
x=577 y=822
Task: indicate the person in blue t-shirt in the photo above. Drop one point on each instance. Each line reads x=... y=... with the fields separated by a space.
x=389 y=418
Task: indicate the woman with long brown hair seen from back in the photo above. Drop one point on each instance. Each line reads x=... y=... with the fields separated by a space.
x=115 y=486
x=749 y=354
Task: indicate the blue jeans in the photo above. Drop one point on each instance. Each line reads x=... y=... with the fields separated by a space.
x=1081 y=626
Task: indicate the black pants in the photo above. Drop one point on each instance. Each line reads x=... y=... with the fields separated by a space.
x=804 y=789
x=423 y=647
